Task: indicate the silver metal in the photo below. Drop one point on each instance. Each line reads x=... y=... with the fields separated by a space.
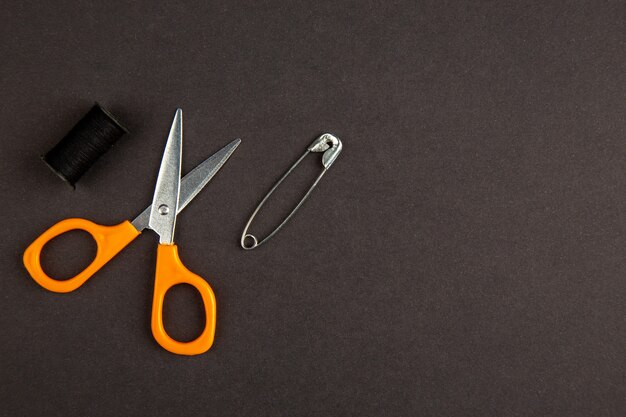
x=331 y=147
x=167 y=190
x=193 y=182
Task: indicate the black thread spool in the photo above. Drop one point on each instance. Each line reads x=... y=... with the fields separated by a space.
x=91 y=137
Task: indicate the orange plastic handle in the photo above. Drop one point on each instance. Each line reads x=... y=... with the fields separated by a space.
x=170 y=271
x=109 y=239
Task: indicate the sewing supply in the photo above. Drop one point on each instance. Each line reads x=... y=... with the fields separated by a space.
x=331 y=147
x=91 y=137
x=170 y=197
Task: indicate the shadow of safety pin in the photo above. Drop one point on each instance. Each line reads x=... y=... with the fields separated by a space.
x=331 y=147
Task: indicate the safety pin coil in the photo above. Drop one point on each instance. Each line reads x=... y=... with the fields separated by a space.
x=331 y=147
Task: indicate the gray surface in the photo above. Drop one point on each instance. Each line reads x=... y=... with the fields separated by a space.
x=464 y=256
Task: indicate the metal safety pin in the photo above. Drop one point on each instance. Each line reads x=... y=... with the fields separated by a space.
x=331 y=147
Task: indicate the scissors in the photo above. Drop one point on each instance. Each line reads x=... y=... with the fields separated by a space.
x=171 y=195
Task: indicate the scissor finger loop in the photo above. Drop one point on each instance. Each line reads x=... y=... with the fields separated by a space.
x=327 y=144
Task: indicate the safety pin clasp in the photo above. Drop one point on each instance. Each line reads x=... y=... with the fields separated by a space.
x=327 y=144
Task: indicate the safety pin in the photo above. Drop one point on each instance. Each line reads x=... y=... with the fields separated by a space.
x=331 y=147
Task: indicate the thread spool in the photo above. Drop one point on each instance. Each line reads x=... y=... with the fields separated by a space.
x=90 y=138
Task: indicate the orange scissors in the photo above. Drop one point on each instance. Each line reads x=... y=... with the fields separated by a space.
x=170 y=197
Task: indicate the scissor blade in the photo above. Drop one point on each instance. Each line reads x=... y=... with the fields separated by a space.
x=165 y=201
x=194 y=181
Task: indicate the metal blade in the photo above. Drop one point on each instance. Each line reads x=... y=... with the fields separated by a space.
x=165 y=201
x=194 y=181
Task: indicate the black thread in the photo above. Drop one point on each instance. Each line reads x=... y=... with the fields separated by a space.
x=91 y=137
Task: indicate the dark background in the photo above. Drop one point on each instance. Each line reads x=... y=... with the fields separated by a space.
x=463 y=257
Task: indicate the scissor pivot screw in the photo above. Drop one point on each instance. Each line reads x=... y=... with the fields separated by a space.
x=164 y=209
